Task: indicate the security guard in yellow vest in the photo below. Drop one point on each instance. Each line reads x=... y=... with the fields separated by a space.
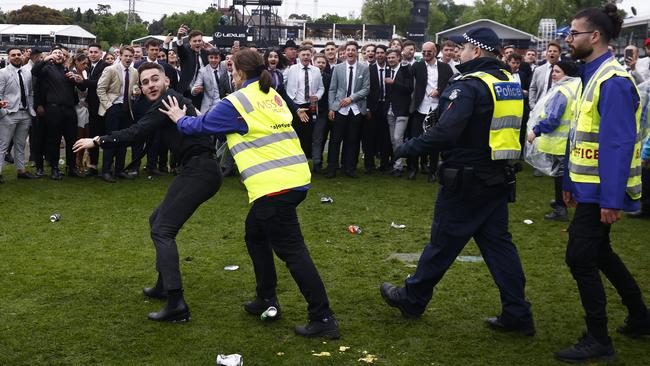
x=478 y=133
x=553 y=125
x=603 y=179
x=273 y=167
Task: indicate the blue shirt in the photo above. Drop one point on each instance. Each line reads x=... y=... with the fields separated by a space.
x=220 y=120
x=554 y=109
x=617 y=106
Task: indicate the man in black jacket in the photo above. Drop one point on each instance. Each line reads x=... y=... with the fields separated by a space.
x=198 y=180
x=431 y=78
x=399 y=86
x=375 y=135
x=193 y=56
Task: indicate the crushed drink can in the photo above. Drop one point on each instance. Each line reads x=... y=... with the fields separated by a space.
x=55 y=217
x=230 y=360
x=354 y=229
x=270 y=313
x=326 y=199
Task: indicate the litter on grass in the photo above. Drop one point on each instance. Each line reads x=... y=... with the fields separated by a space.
x=343 y=348
x=230 y=360
x=528 y=222
x=322 y=354
x=231 y=267
x=469 y=258
x=397 y=226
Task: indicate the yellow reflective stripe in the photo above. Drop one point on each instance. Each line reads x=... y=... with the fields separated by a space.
x=243 y=100
x=263 y=141
x=272 y=164
x=500 y=123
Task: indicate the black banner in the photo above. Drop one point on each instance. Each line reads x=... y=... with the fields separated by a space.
x=225 y=35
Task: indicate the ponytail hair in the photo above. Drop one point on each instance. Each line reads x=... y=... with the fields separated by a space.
x=606 y=20
x=252 y=65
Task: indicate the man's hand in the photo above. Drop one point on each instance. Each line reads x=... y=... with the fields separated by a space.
x=313 y=98
x=346 y=102
x=82 y=144
x=302 y=114
x=568 y=199
x=388 y=81
x=330 y=115
x=172 y=109
x=182 y=31
x=609 y=215
x=197 y=90
x=531 y=137
x=369 y=115
x=434 y=93
x=40 y=111
x=169 y=38
x=4 y=103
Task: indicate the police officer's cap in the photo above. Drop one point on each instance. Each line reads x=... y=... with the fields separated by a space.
x=484 y=38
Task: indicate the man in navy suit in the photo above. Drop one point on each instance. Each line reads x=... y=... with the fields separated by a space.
x=193 y=56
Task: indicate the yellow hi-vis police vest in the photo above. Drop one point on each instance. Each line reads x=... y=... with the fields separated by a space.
x=508 y=111
x=555 y=142
x=269 y=156
x=585 y=127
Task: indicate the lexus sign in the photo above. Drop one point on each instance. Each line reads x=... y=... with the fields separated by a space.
x=225 y=35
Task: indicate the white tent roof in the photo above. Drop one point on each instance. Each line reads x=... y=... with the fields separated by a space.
x=502 y=30
x=46 y=29
x=206 y=39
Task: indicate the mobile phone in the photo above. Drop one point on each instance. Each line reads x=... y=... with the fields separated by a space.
x=629 y=53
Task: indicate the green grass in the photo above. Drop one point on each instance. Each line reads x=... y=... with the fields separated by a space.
x=71 y=290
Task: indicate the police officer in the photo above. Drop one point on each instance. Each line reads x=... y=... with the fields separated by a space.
x=604 y=178
x=198 y=180
x=478 y=133
x=257 y=126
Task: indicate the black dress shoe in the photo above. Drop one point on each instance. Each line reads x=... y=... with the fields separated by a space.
x=317 y=169
x=108 y=177
x=635 y=327
x=326 y=328
x=330 y=174
x=26 y=175
x=125 y=175
x=259 y=306
x=92 y=172
x=432 y=178
x=351 y=174
x=173 y=314
x=56 y=174
x=412 y=175
x=154 y=293
x=390 y=293
x=39 y=172
x=368 y=171
x=587 y=349
x=75 y=173
x=558 y=214
x=497 y=323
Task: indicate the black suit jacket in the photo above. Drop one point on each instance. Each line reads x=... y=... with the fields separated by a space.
x=91 y=85
x=374 y=94
x=526 y=75
x=419 y=72
x=225 y=85
x=187 y=59
x=398 y=94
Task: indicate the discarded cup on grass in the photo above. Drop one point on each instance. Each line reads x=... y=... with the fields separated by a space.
x=149 y=177
x=469 y=258
x=354 y=229
x=397 y=226
x=55 y=217
x=61 y=162
x=231 y=267
x=326 y=199
x=528 y=222
x=270 y=313
x=230 y=360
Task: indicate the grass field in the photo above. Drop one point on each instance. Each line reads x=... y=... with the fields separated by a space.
x=71 y=290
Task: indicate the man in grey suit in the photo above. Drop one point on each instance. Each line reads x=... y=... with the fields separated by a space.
x=541 y=81
x=16 y=117
x=348 y=90
x=207 y=82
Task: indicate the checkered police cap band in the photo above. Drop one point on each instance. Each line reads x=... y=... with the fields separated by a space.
x=477 y=43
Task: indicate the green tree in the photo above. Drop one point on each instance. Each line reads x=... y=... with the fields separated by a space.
x=36 y=14
x=301 y=17
x=205 y=21
x=110 y=29
x=388 y=12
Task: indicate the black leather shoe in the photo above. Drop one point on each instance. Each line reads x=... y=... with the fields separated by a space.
x=351 y=174
x=432 y=178
x=39 y=172
x=176 y=314
x=154 y=293
x=390 y=293
x=56 y=174
x=92 y=172
x=635 y=327
x=412 y=175
x=317 y=169
x=258 y=306
x=558 y=214
x=26 y=175
x=497 y=323
x=326 y=328
x=553 y=204
x=330 y=174
x=368 y=171
x=587 y=349
x=108 y=177
x=75 y=173
x=125 y=175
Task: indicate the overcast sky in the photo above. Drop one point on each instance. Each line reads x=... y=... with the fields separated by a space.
x=154 y=9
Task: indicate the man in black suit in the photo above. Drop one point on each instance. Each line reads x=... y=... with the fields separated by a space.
x=375 y=134
x=399 y=86
x=193 y=56
x=95 y=122
x=523 y=73
x=431 y=78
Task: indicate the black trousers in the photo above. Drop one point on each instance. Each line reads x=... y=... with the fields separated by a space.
x=117 y=118
x=37 y=141
x=272 y=226
x=480 y=212
x=198 y=180
x=60 y=121
x=375 y=139
x=346 y=130
x=588 y=252
x=415 y=129
x=304 y=130
x=96 y=127
x=157 y=153
x=645 y=187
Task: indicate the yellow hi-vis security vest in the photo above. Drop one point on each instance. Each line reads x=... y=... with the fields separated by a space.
x=508 y=111
x=269 y=156
x=554 y=142
x=585 y=127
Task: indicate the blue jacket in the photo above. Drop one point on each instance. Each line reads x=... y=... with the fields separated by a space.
x=617 y=105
